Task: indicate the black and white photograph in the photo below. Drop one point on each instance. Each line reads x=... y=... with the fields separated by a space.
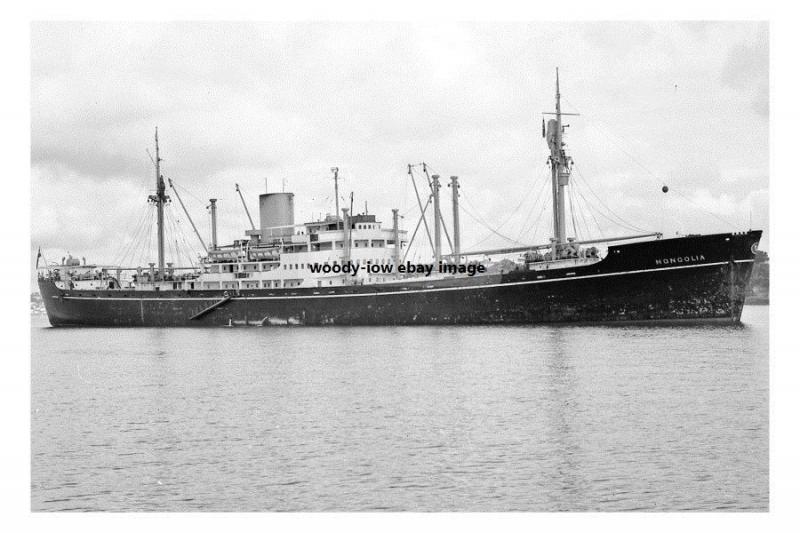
x=429 y=266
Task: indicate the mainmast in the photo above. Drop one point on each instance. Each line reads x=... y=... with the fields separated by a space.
x=159 y=198
x=560 y=167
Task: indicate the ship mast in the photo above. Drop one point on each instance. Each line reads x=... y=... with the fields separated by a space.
x=335 y=171
x=159 y=198
x=560 y=167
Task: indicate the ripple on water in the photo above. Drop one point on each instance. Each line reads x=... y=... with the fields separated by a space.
x=394 y=419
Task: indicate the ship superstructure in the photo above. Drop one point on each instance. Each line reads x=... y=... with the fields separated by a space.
x=278 y=254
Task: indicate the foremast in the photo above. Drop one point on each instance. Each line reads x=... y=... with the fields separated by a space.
x=560 y=168
x=160 y=198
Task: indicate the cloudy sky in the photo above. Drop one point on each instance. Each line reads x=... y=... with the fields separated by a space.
x=683 y=104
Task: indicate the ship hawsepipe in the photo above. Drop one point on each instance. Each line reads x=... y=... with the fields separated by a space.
x=692 y=279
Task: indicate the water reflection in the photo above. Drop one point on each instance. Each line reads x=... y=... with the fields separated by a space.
x=563 y=470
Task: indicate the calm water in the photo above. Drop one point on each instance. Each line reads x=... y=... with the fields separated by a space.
x=422 y=418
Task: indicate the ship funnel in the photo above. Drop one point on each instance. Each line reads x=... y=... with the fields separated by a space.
x=277 y=214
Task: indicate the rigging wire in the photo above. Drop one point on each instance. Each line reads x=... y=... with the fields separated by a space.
x=535 y=225
x=138 y=243
x=173 y=232
x=622 y=222
x=184 y=244
x=178 y=238
x=490 y=228
x=475 y=216
x=121 y=247
x=591 y=212
x=574 y=188
x=613 y=137
x=143 y=186
x=125 y=249
x=145 y=253
x=540 y=210
x=525 y=227
x=572 y=214
x=409 y=210
x=187 y=248
x=485 y=224
x=146 y=235
x=133 y=246
x=183 y=189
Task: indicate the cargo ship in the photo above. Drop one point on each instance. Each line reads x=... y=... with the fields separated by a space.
x=349 y=269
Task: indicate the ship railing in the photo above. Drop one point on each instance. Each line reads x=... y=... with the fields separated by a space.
x=562 y=263
x=121 y=277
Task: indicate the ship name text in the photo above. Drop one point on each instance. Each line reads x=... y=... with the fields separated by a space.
x=682 y=259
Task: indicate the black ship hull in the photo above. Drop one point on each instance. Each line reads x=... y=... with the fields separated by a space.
x=695 y=279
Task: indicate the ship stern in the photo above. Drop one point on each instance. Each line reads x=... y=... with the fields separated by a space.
x=52 y=298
